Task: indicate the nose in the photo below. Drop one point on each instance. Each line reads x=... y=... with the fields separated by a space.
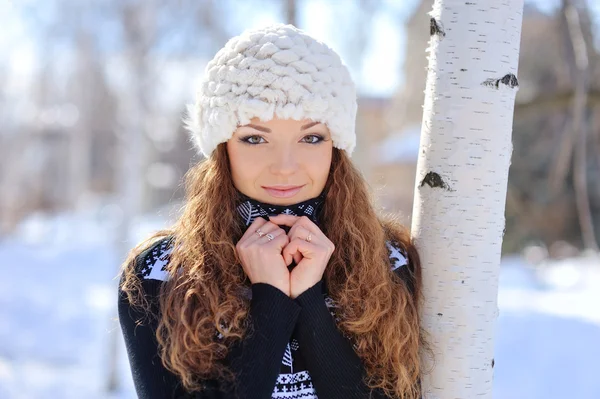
x=284 y=161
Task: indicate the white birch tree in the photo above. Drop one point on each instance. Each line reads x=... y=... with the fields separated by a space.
x=461 y=183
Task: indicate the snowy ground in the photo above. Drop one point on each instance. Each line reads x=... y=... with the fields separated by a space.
x=57 y=317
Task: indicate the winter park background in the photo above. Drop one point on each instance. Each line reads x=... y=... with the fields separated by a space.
x=71 y=74
x=57 y=312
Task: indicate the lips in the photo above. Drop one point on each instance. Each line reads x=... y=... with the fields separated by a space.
x=282 y=191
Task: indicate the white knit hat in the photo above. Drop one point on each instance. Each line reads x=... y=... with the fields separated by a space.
x=274 y=71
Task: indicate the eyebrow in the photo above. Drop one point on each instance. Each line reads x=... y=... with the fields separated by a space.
x=256 y=127
x=308 y=126
x=267 y=130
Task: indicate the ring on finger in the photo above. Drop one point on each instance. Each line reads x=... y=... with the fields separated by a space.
x=259 y=232
x=308 y=237
x=270 y=236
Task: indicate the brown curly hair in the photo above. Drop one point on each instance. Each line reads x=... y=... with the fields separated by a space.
x=379 y=309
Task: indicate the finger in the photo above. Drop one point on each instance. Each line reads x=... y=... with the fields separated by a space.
x=287 y=257
x=297 y=257
x=266 y=228
x=297 y=245
x=302 y=223
x=279 y=241
x=258 y=223
x=302 y=232
x=298 y=231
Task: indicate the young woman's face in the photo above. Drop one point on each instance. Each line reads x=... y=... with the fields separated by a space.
x=282 y=161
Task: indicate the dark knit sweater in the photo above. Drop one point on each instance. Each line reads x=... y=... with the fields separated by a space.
x=295 y=350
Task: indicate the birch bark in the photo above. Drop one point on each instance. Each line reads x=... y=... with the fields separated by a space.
x=462 y=174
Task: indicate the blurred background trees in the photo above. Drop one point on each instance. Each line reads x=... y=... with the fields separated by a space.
x=542 y=196
x=96 y=124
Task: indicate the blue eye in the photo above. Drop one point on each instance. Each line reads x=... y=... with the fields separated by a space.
x=318 y=138
x=247 y=139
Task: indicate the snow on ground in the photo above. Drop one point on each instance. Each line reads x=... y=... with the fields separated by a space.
x=548 y=331
x=58 y=316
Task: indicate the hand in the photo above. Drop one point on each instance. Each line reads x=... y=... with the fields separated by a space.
x=311 y=257
x=261 y=258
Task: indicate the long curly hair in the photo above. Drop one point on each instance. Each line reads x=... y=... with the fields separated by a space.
x=379 y=310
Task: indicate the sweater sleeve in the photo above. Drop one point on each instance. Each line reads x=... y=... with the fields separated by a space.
x=150 y=378
x=256 y=360
x=335 y=368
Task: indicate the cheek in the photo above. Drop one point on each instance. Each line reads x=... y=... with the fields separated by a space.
x=245 y=165
x=318 y=163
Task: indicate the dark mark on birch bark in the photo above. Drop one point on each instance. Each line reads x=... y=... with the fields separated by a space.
x=440 y=314
x=433 y=180
x=509 y=80
x=435 y=28
x=463 y=70
x=493 y=363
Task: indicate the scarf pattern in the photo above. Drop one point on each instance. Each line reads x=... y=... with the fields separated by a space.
x=250 y=209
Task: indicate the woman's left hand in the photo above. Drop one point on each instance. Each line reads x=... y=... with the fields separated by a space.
x=311 y=256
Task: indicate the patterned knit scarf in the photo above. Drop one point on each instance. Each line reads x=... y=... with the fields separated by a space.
x=249 y=209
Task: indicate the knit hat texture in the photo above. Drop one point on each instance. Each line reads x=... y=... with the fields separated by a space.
x=276 y=71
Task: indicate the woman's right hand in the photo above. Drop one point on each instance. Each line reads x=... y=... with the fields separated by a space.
x=262 y=258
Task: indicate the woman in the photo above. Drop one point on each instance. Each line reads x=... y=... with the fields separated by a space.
x=279 y=280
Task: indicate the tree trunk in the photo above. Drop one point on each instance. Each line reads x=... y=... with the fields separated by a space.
x=132 y=150
x=462 y=175
x=291 y=14
x=579 y=130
